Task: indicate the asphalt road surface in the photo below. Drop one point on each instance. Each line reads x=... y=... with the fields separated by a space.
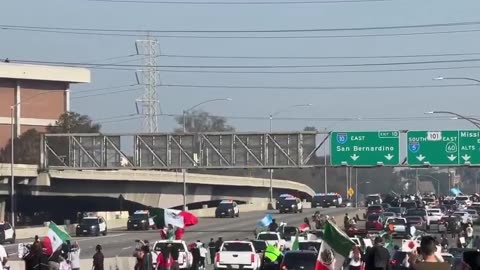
x=121 y=242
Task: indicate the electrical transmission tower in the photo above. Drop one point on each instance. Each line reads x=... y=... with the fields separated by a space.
x=149 y=101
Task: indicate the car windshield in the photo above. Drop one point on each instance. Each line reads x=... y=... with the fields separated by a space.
x=259 y=245
x=268 y=236
x=409 y=204
x=472 y=211
x=326 y=197
x=374 y=208
x=225 y=206
x=237 y=246
x=389 y=214
x=372 y=217
x=460 y=213
x=139 y=217
x=309 y=246
x=448 y=202
x=162 y=245
x=462 y=198
x=394 y=210
x=397 y=221
x=416 y=212
x=373 y=197
x=282 y=199
x=89 y=221
x=300 y=260
x=414 y=219
x=429 y=199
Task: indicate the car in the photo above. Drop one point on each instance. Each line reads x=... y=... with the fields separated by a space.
x=419 y=212
x=457 y=254
x=399 y=226
x=474 y=214
x=310 y=245
x=417 y=221
x=227 y=208
x=327 y=200
x=449 y=224
x=374 y=222
x=430 y=201
x=386 y=215
x=374 y=209
x=463 y=200
x=399 y=211
x=140 y=220
x=299 y=259
x=464 y=215
x=7 y=233
x=373 y=199
x=91 y=226
x=237 y=255
x=386 y=205
x=281 y=198
x=409 y=204
x=185 y=258
x=290 y=205
x=271 y=238
x=434 y=215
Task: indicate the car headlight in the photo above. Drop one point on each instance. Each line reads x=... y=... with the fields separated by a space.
x=293 y=205
x=78 y=226
x=129 y=221
x=334 y=200
x=229 y=210
x=143 y=221
x=93 y=226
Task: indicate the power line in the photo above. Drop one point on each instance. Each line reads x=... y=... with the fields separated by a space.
x=318 y=87
x=316 y=57
x=313 y=72
x=238 y=2
x=343 y=29
x=254 y=66
x=109 y=93
x=103 y=88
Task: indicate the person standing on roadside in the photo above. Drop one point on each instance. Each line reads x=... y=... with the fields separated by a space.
x=98 y=258
x=428 y=247
x=212 y=250
x=218 y=244
x=74 y=256
x=378 y=257
x=175 y=253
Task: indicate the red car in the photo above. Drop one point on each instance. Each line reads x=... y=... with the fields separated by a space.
x=375 y=209
x=374 y=223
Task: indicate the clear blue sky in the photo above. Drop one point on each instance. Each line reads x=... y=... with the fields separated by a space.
x=257 y=102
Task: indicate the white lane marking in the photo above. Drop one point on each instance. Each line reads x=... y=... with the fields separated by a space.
x=99 y=238
x=126 y=248
x=10 y=245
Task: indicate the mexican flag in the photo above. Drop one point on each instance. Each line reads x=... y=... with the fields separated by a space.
x=57 y=236
x=295 y=244
x=335 y=248
x=176 y=218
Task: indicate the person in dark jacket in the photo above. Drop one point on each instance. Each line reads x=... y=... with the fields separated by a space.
x=212 y=250
x=378 y=257
x=218 y=244
x=175 y=253
x=196 y=257
x=98 y=258
x=273 y=227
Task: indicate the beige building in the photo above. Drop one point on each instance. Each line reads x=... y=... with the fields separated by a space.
x=39 y=95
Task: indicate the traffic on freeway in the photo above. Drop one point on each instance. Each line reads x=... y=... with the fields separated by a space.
x=396 y=231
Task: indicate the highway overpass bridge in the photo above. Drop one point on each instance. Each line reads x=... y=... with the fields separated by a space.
x=148 y=188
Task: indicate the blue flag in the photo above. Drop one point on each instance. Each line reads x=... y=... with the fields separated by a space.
x=455 y=191
x=265 y=221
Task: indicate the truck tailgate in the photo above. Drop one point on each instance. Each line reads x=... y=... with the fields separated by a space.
x=235 y=258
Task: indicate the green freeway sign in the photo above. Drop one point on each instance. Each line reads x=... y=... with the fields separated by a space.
x=365 y=148
x=452 y=147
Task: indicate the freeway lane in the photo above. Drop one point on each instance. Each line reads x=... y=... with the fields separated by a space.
x=121 y=242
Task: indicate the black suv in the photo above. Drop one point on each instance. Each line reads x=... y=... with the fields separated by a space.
x=140 y=220
x=326 y=200
x=290 y=205
x=301 y=259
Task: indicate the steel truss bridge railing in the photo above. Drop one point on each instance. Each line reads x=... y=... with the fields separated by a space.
x=180 y=151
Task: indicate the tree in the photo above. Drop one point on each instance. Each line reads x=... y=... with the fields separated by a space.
x=200 y=121
x=27 y=146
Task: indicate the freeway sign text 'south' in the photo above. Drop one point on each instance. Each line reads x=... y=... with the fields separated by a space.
x=452 y=147
x=364 y=148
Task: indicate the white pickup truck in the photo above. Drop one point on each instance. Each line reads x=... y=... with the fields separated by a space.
x=185 y=258
x=434 y=214
x=271 y=238
x=237 y=255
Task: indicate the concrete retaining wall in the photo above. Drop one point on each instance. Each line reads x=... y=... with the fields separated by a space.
x=114 y=220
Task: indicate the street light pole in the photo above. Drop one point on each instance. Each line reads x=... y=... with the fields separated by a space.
x=270 y=199
x=469 y=119
x=184 y=171
x=12 y=165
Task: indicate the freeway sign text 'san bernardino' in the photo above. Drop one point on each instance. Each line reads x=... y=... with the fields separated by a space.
x=368 y=148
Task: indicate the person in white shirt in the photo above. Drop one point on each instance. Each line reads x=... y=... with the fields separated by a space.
x=203 y=254
x=74 y=256
x=3 y=257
